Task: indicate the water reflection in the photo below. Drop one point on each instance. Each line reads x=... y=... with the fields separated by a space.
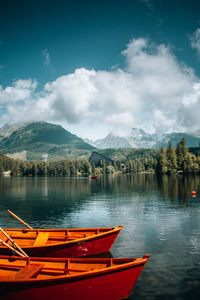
x=159 y=215
x=28 y=196
x=178 y=187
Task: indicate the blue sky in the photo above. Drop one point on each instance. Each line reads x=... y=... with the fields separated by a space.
x=99 y=66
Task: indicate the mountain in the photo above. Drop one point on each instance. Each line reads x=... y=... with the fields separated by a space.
x=134 y=138
x=138 y=138
x=37 y=140
x=192 y=139
x=8 y=129
x=40 y=138
x=112 y=141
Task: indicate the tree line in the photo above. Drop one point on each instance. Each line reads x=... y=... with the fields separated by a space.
x=68 y=167
x=176 y=160
x=167 y=161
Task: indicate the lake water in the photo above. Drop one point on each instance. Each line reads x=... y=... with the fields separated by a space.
x=159 y=215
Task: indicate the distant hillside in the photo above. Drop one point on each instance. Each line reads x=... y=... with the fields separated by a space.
x=138 y=138
x=40 y=138
x=129 y=153
x=192 y=139
x=8 y=129
x=112 y=141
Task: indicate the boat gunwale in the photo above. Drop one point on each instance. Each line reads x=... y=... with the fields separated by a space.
x=62 y=229
x=136 y=262
x=78 y=240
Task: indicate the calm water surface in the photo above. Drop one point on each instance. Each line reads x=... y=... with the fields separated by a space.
x=159 y=216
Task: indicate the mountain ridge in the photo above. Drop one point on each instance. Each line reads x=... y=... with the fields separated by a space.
x=40 y=137
x=138 y=138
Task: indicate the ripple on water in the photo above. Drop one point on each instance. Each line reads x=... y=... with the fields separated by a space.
x=159 y=217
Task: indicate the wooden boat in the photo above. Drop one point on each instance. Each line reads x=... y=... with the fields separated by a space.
x=60 y=242
x=64 y=278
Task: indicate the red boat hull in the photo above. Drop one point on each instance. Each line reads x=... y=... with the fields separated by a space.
x=77 y=249
x=91 y=246
x=113 y=285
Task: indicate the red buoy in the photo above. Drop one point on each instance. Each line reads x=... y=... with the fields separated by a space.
x=193 y=194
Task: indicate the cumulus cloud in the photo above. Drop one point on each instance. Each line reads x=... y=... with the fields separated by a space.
x=19 y=91
x=154 y=92
x=46 y=57
x=195 y=40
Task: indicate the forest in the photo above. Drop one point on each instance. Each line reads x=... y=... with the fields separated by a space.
x=177 y=159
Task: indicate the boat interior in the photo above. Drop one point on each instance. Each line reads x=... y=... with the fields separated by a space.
x=16 y=268
x=42 y=237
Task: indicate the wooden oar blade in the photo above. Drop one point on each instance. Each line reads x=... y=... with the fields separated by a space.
x=16 y=217
x=11 y=248
x=13 y=242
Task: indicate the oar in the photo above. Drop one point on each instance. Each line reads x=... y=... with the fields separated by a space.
x=19 y=219
x=11 y=248
x=14 y=243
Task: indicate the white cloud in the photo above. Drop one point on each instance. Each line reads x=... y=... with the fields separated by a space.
x=195 y=40
x=153 y=92
x=19 y=91
x=46 y=57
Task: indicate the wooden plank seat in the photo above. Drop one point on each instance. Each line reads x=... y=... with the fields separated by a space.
x=41 y=239
x=28 y=271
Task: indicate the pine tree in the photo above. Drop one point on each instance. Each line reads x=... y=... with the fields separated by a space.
x=162 y=161
x=171 y=159
x=34 y=168
x=181 y=152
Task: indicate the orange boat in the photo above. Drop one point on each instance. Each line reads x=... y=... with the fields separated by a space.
x=64 y=278
x=60 y=242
